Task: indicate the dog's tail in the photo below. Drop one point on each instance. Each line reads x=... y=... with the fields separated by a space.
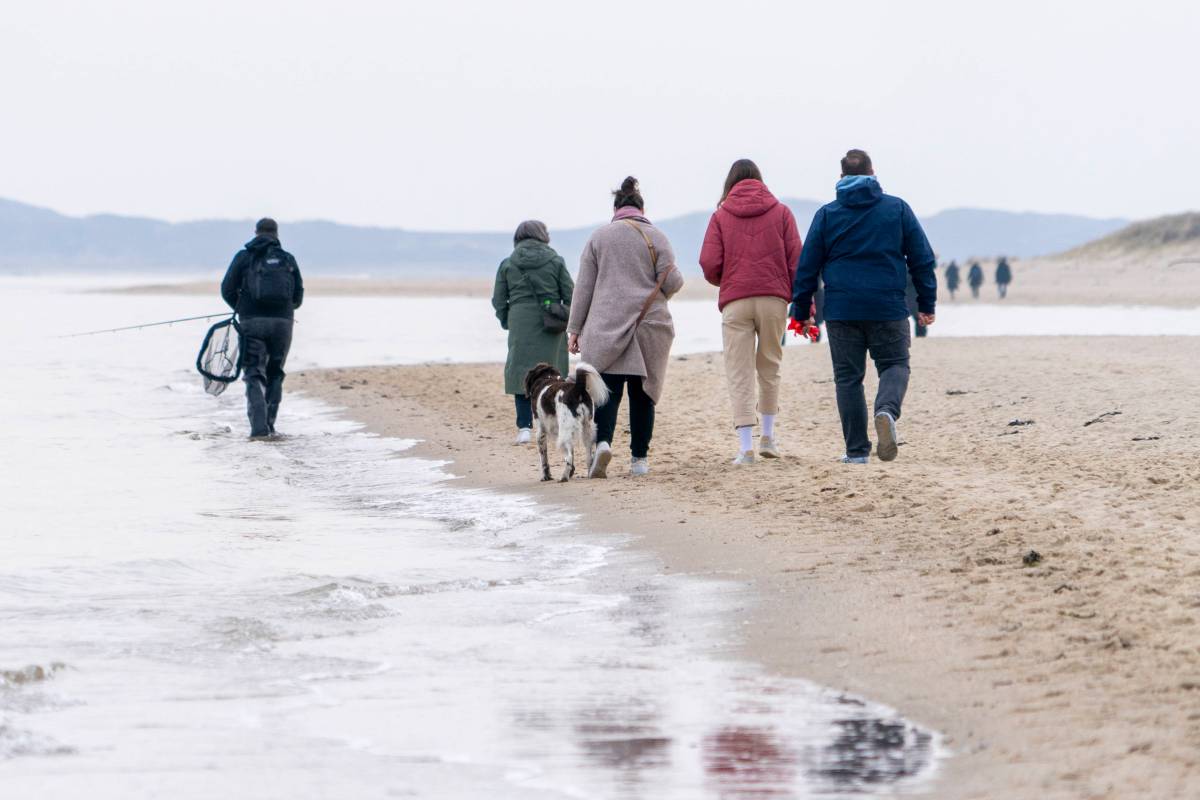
x=587 y=376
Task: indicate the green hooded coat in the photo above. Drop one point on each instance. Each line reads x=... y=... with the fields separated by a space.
x=532 y=274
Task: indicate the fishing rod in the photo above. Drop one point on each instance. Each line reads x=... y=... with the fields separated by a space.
x=147 y=325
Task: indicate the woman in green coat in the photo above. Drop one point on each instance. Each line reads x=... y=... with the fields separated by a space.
x=528 y=279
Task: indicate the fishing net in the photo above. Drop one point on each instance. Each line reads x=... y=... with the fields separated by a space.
x=220 y=360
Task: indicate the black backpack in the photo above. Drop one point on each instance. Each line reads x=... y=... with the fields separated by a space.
x=270 y=278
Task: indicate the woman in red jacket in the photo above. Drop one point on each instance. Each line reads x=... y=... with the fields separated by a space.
x=750 y=251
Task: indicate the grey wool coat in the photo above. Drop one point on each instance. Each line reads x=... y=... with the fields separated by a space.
x=615 y=278
x=533 y=273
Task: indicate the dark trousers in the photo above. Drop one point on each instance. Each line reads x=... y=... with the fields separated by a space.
x=1002 y=288
x=265 y=345
x=849 y=343
x=641 y=414
x=524 y=411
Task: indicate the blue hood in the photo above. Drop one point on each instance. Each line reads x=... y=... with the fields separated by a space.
x=859 y=191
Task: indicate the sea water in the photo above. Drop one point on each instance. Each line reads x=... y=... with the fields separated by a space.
x=187 y=614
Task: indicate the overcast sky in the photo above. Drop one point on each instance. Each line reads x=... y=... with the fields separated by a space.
x=470 y=115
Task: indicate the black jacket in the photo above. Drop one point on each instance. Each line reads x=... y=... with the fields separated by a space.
x=231 y=286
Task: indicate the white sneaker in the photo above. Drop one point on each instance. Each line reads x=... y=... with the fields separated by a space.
x=885 y=436
x=524 y=436
x=639 y=466
x=600 y=461
x=767 y=448
x=744 y=459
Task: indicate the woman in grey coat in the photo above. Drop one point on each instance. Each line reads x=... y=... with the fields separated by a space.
x=620 y=322
x=528 y=279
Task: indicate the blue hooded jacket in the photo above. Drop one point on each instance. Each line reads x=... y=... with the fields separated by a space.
x=864 y=245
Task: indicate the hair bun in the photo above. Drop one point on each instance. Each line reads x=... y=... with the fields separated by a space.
x=628 y=195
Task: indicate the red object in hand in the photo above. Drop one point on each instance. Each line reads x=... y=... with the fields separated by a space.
x=802 y=328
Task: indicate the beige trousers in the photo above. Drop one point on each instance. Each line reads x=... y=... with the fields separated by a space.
x=752 y=330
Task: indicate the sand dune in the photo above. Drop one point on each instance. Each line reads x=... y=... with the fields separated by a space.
x=1072 y=675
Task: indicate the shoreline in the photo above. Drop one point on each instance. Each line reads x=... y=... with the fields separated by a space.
x=1067 y=284
x=905 y=583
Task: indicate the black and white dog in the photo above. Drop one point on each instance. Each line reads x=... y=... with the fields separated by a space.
x=564 y=408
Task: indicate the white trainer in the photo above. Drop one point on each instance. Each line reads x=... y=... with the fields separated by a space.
x=600 y=461
x=524 y=436
x=767 y=447
x=639 y=466
x=744 y=459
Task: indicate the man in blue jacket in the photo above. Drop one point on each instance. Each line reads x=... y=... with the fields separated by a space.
x=263 y=285
x=865 y=246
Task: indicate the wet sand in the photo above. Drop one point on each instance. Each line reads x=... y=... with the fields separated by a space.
x=1076 y=675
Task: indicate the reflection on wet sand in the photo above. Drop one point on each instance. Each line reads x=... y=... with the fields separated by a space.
x=864 y=754
x=872 y=752
x=749 y=762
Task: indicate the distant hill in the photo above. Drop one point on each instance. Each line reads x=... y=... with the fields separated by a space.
x=40 y=240
x=972 y=232
x=1178 y=231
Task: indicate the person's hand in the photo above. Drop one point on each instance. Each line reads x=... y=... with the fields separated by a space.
x=573 y=343
x=926 y=319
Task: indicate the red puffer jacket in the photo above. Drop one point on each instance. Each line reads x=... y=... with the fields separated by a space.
x=752 y=245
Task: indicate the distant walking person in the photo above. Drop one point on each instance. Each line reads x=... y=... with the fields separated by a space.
x=263 y=285
x=952 y=278
x=529 y=283
x=621 y=324
x=866 y=245
x=975 y=279
x=1003 y=277
x=750 y=251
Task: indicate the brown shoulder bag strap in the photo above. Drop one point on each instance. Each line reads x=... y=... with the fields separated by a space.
x=662 y=278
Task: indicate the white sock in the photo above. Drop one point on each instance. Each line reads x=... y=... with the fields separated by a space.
x=768 y=426
x=746 y=438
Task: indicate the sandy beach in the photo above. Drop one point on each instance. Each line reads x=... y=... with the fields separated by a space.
x=1072 y=675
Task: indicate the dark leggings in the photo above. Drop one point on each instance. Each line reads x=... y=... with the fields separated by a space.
x=524 y=411
x=641 y=414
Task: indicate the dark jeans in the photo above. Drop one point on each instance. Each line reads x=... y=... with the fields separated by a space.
x=524 y=411
x=265 y=345
x=641 y=414
x=849 y=343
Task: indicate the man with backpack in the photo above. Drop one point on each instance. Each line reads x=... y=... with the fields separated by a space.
x=264 y=287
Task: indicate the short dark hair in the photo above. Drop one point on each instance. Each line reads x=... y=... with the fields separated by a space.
x=266 y=225
x=856 y=162
x=630 y=194
x=743 y=169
